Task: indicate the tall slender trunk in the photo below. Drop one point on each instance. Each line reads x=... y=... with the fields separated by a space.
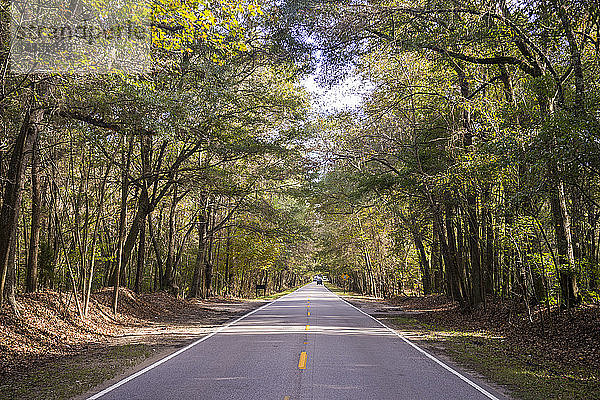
x=424 y=263
x=36 y=207
x=208 y=262
x=436 y=264
x=157 y=254
x=228 y=275
x=488 y=250
x=218 y=280
x=11 y=200
x=71 y=275
x=197 y=277
x=564 y=242
x=449 y=251
x=472 y=224
x=561 y=217
x=92 y=262
x=125 y=164
x=139 y=274
x=575 y=53
x=477 y=282
x=168 y=279
x=146 y=156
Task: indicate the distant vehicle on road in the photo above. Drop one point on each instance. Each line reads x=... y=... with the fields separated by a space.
x=319 y=280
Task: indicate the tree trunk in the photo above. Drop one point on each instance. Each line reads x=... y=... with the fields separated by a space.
x=575 y=53
x=436 y=262
x=568 y=282
x=477 y=283
x=125 y=164
x=36 y=206
x=424 y=264
x=197 y=277
x=157 y=255
x=562 y=233
x=208 y=262
x=92 y=262
x=168 y=279
x=146 y=156
x=228 y=274
x=139 y=274
x=11 y=200
x=449 y=251
x=488 y=251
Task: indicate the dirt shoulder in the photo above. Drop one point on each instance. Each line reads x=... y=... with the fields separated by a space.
x=50 y=353
x=557 y=356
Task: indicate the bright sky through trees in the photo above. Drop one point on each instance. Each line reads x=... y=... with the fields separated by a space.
x=345 y=95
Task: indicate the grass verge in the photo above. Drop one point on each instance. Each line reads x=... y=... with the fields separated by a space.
x=529 y=376
x=69 y=376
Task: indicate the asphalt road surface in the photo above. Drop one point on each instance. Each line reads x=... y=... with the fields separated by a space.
x=309 y=344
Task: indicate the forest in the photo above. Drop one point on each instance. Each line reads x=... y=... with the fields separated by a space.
x=471 y=168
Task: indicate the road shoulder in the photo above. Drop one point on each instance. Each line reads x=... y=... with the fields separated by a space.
x=511 y=362
x=388 y=314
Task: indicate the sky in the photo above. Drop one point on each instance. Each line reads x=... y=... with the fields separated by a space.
x=347 y=94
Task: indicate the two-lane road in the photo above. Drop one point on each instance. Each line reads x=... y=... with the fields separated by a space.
x=309 y=344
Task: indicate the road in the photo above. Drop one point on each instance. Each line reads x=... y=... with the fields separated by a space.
x=309 y=344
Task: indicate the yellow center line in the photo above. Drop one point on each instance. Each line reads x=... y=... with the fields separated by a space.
x=307 y=327
x=309 y=313
x=308 y=305
x=302 y=362
x=286 y=398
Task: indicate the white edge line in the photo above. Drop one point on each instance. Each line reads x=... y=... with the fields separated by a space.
x=189 y=346
x=420 y=350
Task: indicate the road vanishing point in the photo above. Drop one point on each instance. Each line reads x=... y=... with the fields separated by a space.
x=309 y=344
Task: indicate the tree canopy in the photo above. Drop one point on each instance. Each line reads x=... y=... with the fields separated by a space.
x=471 y=169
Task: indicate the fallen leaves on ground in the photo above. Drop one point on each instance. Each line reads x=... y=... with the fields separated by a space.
x=562 y=336
x=49 y=326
